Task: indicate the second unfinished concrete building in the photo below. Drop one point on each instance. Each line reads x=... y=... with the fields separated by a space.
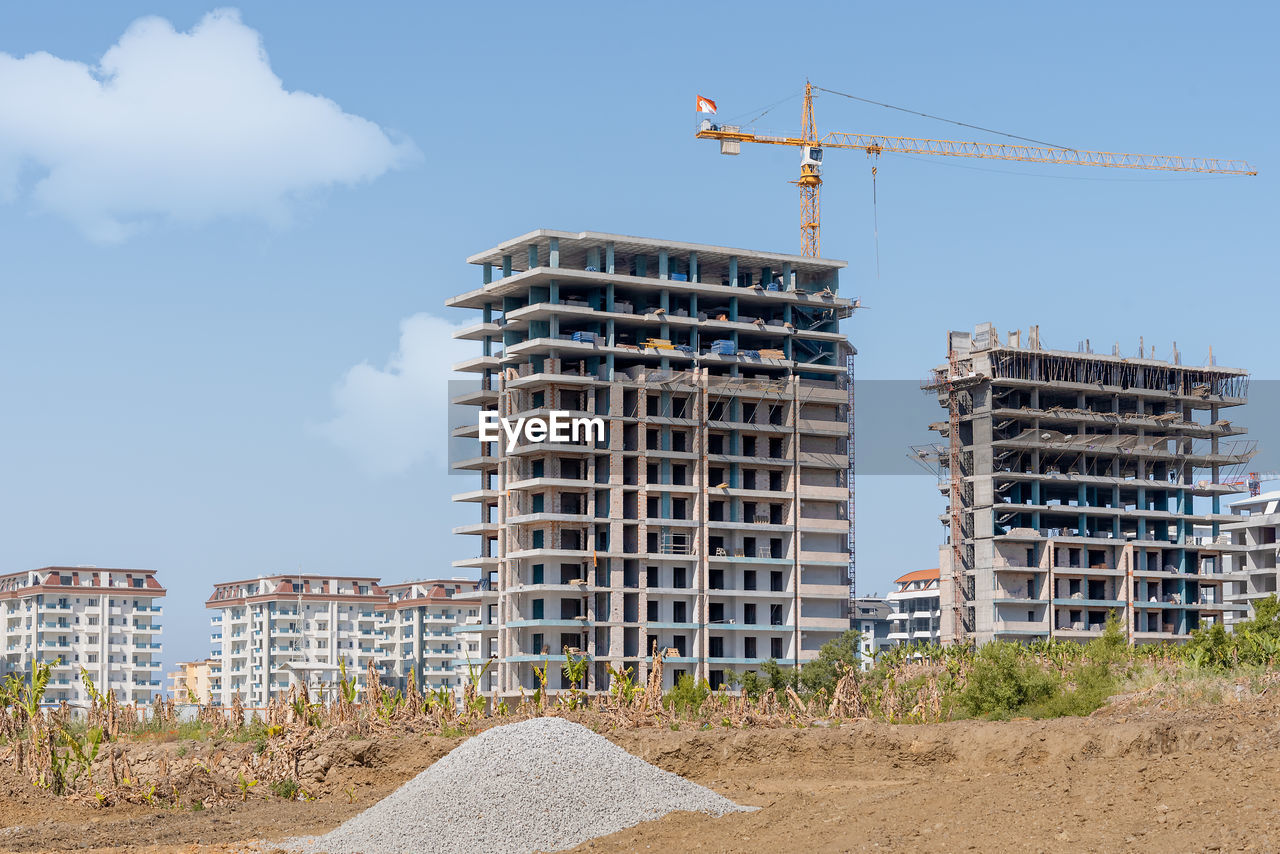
x=1081 y=485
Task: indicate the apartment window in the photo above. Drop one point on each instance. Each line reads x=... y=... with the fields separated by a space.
x=678 y=612
x=749 y=615
x=652 y=610
x=651 y=576
x=775 y=647
x=749 y=647
x=716 y=647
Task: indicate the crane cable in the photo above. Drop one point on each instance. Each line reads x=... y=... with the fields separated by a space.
x=764 y=111
x=941 y=119
x=875 y=220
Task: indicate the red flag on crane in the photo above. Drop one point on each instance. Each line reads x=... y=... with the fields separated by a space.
x=706 y=105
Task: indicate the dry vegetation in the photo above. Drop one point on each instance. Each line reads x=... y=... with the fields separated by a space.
x=113 y=755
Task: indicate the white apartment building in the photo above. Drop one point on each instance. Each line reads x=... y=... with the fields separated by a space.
x=1249 y=562
x=914 y=610
x=105 y=621
x=418 y=632
x=476 y=633
x=271 y=632
x=870 y=617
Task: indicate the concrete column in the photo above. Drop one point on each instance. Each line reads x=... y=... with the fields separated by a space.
x=733 y=272
x=533 y=255
x=608 y=259
x=693 y=267
x=506 y=266
x=487 y=275
x=663 y=265
x=555 y=252
x=693 y=314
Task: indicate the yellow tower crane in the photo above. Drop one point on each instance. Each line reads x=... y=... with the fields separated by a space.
x=811 y=147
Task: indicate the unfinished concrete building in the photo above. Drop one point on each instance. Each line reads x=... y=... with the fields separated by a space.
x=1082 y=484
x=711 y=519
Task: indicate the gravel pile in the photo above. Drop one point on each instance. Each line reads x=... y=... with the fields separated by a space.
x=540 y=785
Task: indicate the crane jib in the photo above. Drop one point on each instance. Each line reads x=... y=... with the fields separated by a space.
x=731 y=135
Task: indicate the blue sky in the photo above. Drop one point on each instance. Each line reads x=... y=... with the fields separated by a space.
x=178 y=329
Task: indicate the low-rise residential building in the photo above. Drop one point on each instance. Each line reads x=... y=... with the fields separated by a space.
x=1249 y=559
x=477 y=634
x=871 y=621
x=914 y=609
x=418 y=632
x=272 y=632
x=101 y=621
x=190 y=683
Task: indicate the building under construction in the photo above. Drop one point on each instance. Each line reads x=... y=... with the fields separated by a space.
x=1082 y=485
x=712 y=520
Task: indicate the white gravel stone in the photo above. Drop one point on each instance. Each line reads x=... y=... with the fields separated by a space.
x=544 y=784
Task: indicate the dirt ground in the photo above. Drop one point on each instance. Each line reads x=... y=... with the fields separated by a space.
x=1126 y=779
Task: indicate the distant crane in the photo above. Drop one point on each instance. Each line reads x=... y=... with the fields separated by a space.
x=811 y=147
x=1252 y=481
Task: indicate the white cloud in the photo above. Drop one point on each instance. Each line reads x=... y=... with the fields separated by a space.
x=393 y=418
x=184 y=127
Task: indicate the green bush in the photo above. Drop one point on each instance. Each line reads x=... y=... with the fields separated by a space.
x=824 y=671
x=1004 y=681
x=688 y=695
x=287 y=789
x=1093 y=684
x=1252 y=642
